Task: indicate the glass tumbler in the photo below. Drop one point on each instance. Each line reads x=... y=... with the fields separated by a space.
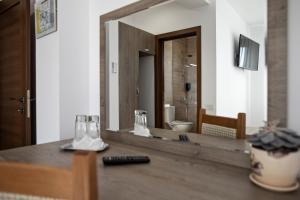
x=80 y=126
x=140 y=119
x=93 y=126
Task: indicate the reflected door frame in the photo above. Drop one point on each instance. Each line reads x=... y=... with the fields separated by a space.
x=159 y=70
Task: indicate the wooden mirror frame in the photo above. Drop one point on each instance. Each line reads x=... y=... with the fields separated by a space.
x=276 y=55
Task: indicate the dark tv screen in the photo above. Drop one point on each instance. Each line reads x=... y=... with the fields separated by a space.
x=248 y=54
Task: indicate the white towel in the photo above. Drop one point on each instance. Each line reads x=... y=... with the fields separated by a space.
x=88 y=143
x=141 y=131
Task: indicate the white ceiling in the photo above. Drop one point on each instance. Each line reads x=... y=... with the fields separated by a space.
x=192 y=4
x=188 y=4
x=252 y=11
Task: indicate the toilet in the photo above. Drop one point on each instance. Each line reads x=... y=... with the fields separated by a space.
x=175 y=125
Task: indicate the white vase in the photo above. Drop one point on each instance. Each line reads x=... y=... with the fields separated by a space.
x=273 y=170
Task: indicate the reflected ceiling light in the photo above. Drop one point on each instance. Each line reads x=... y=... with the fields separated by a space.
x=190 y=65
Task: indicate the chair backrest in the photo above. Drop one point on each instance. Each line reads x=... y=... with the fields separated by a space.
x=239 y=123
x=42 y=181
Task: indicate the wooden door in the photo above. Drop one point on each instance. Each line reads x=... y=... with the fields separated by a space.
x=15 y=121
x=132 y=41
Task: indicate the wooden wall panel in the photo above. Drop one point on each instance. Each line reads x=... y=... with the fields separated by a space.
x=277 y=60
x=131 y=42
x=128 y=61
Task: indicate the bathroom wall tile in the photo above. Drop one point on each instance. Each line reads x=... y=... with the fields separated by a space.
x=178 y=53
x=168 y=75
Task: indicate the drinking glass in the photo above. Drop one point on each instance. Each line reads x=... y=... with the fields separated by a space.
x=80 y=126
x=140 y=119
x=93 y=126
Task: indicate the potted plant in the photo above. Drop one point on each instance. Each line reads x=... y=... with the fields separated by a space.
x=275 y=157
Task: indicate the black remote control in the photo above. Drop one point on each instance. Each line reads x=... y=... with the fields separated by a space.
x=183 y=138
x=123 y=160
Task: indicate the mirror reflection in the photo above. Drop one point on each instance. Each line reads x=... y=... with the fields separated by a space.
x=200 y=71
x=180 y=84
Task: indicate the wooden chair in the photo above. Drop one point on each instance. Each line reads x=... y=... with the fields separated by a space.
x=79 y=183
x=222 y=126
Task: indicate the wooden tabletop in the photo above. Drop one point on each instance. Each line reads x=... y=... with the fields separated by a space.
x=167 y=177
x=207 y=140
x=225 y=143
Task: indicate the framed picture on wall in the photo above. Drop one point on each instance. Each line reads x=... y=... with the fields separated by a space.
x=45 y=17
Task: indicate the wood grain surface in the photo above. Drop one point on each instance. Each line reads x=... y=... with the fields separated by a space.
x=45 y=181
x=132 y=42
x=167 y=176
x=35 y=180
x=238 y=123
x=15 y=73
x=277 y=60
x=202 y=147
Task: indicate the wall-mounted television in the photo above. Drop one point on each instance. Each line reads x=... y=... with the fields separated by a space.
x=248 y=53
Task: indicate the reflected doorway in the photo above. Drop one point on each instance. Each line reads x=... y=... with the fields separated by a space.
x=178 y=80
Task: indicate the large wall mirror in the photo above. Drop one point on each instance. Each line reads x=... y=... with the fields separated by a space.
x=173 y=58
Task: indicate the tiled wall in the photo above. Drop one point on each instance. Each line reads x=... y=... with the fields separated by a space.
x=192 y=78
x=168 y=75
x=179 y=53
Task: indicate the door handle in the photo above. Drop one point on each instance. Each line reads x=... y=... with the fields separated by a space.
x=20 y=110
x=28 y=103
x=19 y=99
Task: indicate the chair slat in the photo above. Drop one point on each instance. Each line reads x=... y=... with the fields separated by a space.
x=35 y=180
x=85 y=176
x=42 y=181
x=238 y=123
x=220 y=121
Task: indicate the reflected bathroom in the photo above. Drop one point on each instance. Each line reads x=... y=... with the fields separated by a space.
x=180 y=84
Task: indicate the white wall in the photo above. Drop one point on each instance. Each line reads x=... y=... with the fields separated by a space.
x=47 y=88
x=112 y=76
x=172 y=17
x=258 y=101
x=62 y=73
x=239 y=90
x=73 y=63
x=232 y=82
x=293 y=65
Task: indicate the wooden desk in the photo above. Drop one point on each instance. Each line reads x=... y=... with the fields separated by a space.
x=217 y=149
x=207 y=140
x=168 y=176
x=225 y=143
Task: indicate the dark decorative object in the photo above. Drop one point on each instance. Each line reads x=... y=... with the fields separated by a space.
x=188 y=87
x=256 y=166
x=45 y=17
